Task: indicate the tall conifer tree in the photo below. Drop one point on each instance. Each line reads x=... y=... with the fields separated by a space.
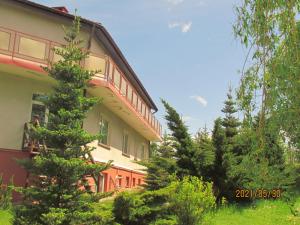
x=185 y=149
x=229 y=162
x=59 y=171
x=219 y=174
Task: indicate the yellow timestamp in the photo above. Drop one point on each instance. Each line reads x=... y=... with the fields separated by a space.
x=258 y=193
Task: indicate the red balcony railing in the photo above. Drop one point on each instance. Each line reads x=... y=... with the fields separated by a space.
x=22 y=47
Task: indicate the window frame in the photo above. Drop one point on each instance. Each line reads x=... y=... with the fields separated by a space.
x=107 y=145
x=142 y=153
x=37 y=102
x=127 y=153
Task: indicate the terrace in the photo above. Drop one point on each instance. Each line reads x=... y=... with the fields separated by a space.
x=24 y=55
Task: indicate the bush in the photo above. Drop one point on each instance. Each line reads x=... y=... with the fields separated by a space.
x=5 y=194
x=182 y=202
x=130 y=209
x=104 y=211
x=142 y=208
x=191 y=199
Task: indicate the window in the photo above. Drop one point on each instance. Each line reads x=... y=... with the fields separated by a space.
x=133 y=182
x=127 y=182
x=100 y=185
x=136 y=149
x=104 y=125
x=38 y=109
x=139 y=181
x=111 y=69
x=143 y=151
x=125 y=146
x=120 y=181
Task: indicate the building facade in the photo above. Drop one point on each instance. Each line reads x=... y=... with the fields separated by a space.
x=124 y=118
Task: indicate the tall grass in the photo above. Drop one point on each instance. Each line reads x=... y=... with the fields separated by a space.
x=263 y=212
x=5 y=217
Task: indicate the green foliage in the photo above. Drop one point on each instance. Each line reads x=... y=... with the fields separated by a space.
x=192 y=198
x=130 y=209
x=219 y=171
x=54 y=196
x=224 y=133
x=270 y=170
x=260 y=212
x=182 y=202
x=185 y=148
x=230 y=122
x=6 y=194
x=161 y=166
x=104 y=212
x=169 y=221
x=204 y=158
x=271 y=83
x=6 y=217
x=141 y=208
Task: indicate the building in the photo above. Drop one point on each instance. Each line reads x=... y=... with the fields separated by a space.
x=28 y=33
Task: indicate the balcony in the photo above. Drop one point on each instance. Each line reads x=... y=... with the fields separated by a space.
x=31 y=144
x=19 y=51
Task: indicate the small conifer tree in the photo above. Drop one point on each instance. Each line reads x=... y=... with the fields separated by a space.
x=205 y=155
x=162 y=165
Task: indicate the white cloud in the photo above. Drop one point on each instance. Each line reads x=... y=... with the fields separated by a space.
x=175 y=2
x=200 y=99
x=184 y=26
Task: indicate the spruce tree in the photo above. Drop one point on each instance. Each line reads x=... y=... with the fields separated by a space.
x=230 y=122
x=204 y=156
x=219 y=171
x=56 y=194
x=229 y=163
x=185 y=149
x=162 y=165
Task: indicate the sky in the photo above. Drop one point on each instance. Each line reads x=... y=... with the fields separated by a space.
x=183 y=51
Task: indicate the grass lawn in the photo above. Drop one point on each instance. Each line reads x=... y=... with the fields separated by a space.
x=5 y=217
x=262 y=212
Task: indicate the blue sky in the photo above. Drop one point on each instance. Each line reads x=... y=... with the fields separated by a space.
x=183 y=51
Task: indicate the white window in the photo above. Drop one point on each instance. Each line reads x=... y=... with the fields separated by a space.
x=125 y=145
x=38 y=109
x=104 y=131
